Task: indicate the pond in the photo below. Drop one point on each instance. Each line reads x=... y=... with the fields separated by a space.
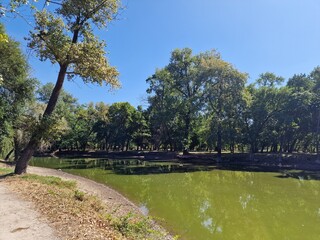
x=197 y=202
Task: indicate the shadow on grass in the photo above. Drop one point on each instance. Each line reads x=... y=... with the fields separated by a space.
x=3 y=176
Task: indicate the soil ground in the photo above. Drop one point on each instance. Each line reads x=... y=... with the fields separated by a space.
x=20 y=220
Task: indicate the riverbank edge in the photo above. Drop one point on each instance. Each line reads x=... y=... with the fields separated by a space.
x=113 y=199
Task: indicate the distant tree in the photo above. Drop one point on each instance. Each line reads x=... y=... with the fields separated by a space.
x=264 y=103
x=62 y=116
x=315 y=77
x=122 y=126
x=269 y=79
x=182 y=79
x=163 y=112
x=141 y=131
x=65 y=36
x=223 y=88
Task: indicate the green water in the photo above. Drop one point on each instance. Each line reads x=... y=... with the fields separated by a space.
x=215 y=204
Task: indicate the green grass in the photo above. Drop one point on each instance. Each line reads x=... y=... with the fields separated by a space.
x=4 y=171
x=134 y=226
x=50 y=180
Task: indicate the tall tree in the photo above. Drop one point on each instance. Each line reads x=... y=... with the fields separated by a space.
x=16 y=88
x=182 y=77
x=315 y=77
x=223 y=87
x=65 y=36
x=163 y=112
x=266 y=100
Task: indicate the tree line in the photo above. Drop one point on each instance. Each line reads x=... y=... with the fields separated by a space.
x=195 y=103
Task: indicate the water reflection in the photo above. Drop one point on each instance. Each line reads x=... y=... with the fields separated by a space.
x=215 y=204
x=143 y=208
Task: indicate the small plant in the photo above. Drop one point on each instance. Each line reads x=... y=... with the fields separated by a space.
x=78 y=195
x=176 y=237
x=123 y=224
x=96 y=204
x=51 y=192
x=134 y=227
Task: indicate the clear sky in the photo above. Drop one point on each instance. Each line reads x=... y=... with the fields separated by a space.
x=280 y=36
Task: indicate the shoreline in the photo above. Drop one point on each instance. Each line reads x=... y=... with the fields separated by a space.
x=119 y=206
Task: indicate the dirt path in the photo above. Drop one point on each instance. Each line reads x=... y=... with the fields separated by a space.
x=19 y=219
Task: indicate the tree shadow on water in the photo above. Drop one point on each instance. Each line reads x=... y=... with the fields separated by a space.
x=305 y=171
x=302 y=175
x=158 y=169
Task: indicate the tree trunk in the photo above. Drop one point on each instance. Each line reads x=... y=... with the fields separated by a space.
x=9 y=154
x=219 y=143
x=251 y=153
x=317 y=138
x=186 y=133
x=22 y=162
x=262 y=148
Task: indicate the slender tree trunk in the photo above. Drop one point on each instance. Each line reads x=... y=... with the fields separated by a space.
x=280 y=150
x=186 y=133
x=219 y=142
x=262 y=148
x=9 y=154
x=251 y=153
x=127 y=145
x=22 y=162
x=17 y=148
x=317 y=138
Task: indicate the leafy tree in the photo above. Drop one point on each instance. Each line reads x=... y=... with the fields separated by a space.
x=182 y=78
x=269 y=79
x=298 y=109
x=223 y=86
x=121 y=117
x=63 y=115
x=16 y=89
x=315 y=77
x=141 y=134
x=65 y=37
x=264 y=103
x=163 y=112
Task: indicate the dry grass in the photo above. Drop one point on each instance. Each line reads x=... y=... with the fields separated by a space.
x=76 y=215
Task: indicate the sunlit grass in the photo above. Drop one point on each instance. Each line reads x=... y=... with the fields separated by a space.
x=50 y=180
x=4 y=171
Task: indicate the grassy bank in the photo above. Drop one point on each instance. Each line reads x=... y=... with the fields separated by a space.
x=75 y=214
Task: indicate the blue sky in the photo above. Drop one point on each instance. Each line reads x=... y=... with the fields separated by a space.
x=256 y=36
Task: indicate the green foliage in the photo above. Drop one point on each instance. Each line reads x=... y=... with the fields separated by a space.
x=186 y=89
x=79 y=195
x=177 y=90
x=134 y=227
x=16 y=90
x=65 y=37
x=269 y=80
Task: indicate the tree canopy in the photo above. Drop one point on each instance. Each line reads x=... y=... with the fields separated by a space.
x=64 y=35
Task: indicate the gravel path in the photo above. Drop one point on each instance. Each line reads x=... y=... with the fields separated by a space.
x=19 y=219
